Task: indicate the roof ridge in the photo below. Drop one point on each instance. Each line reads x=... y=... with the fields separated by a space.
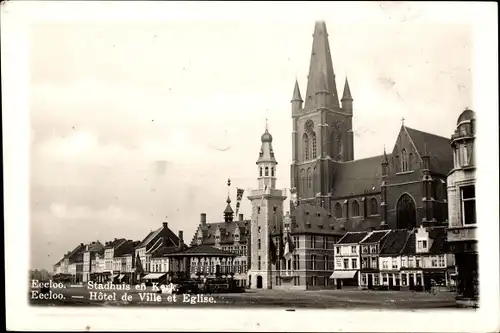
x=428 y=133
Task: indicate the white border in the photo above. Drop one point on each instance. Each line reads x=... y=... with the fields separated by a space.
x=16 y=17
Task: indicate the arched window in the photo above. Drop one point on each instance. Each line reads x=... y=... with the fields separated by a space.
x=355 y=208
x=260 y=172
x=338 y=210
x=373 y=207
x=410 y=162
x=272 y=171
x=266 y=172
x=404 y=160
x=406 y=212
x=305 y=146
x=309 y=178
x=339 y=147
x=314 y=152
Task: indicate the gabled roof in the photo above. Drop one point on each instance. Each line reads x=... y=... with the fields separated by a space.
x=202 y=250
x=162 y=231
x=357 y=177
x=375 y=236
x=353 y=237
x=115 y=243
x=126 y=248
x=438 y=148
x=161 y=252
x=410 y=247
x=394 y=242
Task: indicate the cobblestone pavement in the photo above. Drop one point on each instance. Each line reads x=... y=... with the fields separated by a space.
x=256 y=298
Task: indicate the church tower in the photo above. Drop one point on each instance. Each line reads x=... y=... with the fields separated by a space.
x=267 y=215
x=322 y=127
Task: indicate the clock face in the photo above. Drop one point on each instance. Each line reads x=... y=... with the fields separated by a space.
x=309 y=126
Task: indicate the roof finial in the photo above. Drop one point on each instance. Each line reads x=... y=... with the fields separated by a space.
x=403 y=121
x=266 y=124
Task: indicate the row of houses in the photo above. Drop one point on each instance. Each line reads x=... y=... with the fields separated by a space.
x=394 y=259
x=120 y=259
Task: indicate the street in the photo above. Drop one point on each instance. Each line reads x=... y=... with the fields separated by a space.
x=81 y=296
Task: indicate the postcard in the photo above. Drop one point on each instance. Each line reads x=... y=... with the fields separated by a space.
x=251 y=166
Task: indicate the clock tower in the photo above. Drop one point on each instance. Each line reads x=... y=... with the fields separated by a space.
x=267 y=216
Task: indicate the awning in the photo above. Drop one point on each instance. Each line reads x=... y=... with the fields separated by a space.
x=121 y=276
x=343 y=274
x=153 y=276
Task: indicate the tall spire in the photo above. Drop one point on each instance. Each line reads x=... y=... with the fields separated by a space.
x=321 y=61
x=346 y=96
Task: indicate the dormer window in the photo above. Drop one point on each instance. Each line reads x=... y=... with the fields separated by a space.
x=422 y=244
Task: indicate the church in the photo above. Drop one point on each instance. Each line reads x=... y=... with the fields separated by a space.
x=400 y=189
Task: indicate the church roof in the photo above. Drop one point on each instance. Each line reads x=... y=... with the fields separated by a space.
x=438 y=148
x=358 y=177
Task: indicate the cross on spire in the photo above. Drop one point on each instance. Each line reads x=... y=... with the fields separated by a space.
x=266 y=124
x=403 y=121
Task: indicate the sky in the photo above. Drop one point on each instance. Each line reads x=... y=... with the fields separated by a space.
x=137 y=122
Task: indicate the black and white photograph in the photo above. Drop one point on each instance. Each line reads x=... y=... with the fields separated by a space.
x=287 y=162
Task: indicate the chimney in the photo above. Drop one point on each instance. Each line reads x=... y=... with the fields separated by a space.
x=81 y=244
x=203 y=219
x=240 y=217
x=165 y=224
x=181 y=239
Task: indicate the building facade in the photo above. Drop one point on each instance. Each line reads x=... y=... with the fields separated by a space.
x=159 y=238
x=348 y=259
x=462 y=225
x=369 y=250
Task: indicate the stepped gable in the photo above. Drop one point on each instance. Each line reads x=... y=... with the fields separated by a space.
x=438 y=148
x=358 y=177
x=394 y=242
x=227 y=230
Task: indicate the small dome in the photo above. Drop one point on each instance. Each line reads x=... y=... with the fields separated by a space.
x=466 y=115
x=266 y=137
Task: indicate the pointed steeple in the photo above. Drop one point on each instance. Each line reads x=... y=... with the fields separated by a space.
x=228 y=212
x=296 y=93
x=346 y=96
x=321 y=61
